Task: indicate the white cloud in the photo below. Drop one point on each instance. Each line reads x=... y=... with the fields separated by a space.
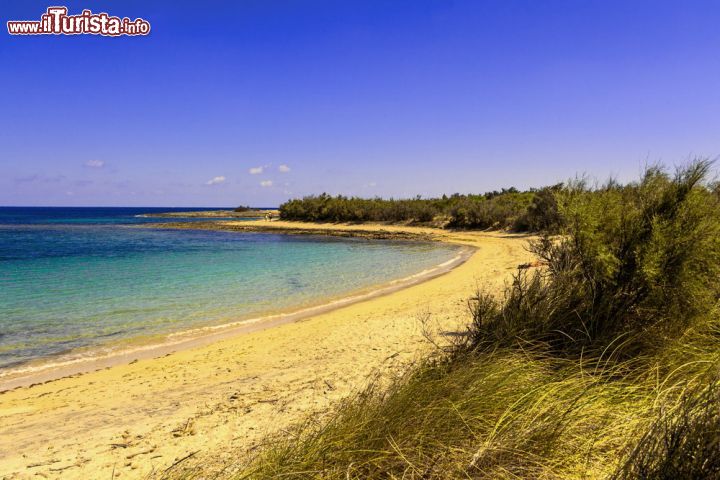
x=283 y=168
x=256 y=170
x=216 y=180
x=266 y=183
x=95 y=163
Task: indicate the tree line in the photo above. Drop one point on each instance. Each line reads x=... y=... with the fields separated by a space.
x=509 y=208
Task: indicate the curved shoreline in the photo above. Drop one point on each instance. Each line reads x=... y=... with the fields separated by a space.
x=218 y=401
x=46 y=371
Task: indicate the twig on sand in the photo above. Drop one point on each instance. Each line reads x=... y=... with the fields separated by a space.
x=60 y=469
x=181 y=460
x=41 y=464
x=143 y=452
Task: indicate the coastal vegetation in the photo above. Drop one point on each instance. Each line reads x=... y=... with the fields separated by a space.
x=601 y=363
x=531 y=210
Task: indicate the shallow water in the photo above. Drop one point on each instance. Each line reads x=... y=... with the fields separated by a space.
x=73 y=278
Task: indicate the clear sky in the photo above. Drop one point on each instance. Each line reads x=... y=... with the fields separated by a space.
x=253 y=102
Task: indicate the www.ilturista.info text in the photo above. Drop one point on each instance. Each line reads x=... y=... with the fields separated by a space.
x=56 y=21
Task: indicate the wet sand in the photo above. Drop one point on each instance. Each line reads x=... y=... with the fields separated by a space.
x=219 y=399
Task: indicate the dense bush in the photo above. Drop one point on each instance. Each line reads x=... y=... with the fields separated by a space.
x=506 y=209
x=494 y=211
x=636 y=264
x=326 y=208
x=542 y=215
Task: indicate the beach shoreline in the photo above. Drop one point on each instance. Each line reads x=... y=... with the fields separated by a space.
x=221 y=399
x=97 y=358
x=341 y=230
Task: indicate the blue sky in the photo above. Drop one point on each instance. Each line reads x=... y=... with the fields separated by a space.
x=391 y=98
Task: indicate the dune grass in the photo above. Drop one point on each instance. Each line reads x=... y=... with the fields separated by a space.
x=506 y=413
x=603 y=364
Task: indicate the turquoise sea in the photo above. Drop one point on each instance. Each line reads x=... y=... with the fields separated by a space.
x=77 y=278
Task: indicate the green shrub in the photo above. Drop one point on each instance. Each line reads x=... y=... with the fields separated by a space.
x=507 y=209
x=636 y=262
x=543 y=214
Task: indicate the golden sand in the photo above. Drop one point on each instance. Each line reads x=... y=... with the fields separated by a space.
x=215 y=402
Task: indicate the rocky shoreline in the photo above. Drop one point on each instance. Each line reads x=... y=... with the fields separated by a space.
x=252 y=213
x=373 y=232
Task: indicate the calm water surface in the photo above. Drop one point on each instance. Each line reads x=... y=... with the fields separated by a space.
x=82 y=277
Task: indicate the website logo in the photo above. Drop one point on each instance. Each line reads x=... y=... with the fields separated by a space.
x=56 y=21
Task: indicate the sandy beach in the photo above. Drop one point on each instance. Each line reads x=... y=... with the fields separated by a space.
x=218 y=400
